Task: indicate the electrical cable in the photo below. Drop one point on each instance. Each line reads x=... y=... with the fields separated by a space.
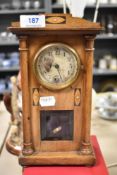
x=64 y=6
x=96 y=11
x=4 y=140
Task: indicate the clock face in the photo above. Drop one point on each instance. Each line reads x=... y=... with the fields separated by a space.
x=56 y=66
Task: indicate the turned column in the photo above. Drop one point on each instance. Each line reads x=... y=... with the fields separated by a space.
x=24 y=51
x=89 y=49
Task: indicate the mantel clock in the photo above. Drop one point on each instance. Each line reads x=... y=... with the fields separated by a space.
x=56 y=70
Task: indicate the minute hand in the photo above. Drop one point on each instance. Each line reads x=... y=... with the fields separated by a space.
x=57 y=67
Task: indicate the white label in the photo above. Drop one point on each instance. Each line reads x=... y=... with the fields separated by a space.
x=32 y=20
x=47 y=101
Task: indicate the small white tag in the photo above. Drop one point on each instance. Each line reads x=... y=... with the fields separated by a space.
x=47 y=101
x=32 y=21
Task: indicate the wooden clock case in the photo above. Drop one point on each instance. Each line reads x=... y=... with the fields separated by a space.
x=77 y=150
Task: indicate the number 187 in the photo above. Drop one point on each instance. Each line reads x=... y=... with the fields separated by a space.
x=33 y=20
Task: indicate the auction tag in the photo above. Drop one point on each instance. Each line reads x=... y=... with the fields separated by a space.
x=47 y=101
x=32 y=20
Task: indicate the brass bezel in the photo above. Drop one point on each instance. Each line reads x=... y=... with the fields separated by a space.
x=61 y=85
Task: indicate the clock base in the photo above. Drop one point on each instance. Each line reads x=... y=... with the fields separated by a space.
x=58 y=158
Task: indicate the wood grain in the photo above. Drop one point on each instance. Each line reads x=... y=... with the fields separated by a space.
x=78 y=34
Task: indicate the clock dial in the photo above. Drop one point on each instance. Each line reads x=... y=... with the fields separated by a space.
x=56 y=66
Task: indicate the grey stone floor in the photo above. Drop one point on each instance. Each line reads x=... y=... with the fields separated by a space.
x=106 y=132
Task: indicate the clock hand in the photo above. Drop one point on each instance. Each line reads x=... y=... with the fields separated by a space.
x=57 y=68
